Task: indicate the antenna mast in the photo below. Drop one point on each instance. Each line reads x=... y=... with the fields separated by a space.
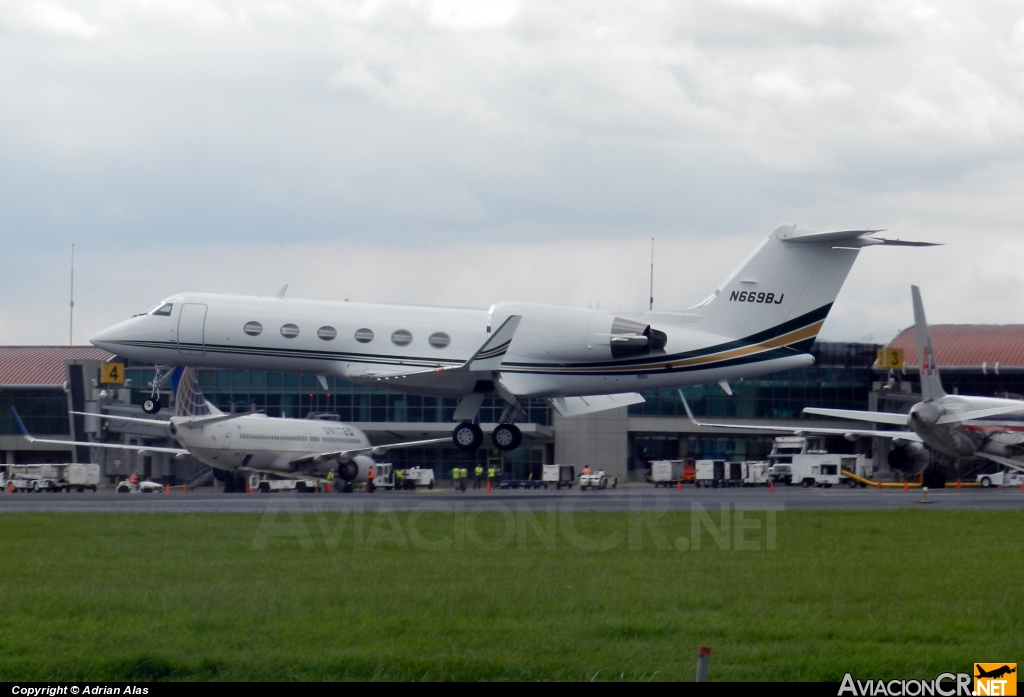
x=651 y=305
x=71 y=317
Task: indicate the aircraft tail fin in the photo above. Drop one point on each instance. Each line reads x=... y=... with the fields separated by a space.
x=783 y=292
x=189 y=399
x=931 y=382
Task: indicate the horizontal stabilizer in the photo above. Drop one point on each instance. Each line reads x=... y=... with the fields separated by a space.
x=577 y=406
x=876 y=417
x=980 y=414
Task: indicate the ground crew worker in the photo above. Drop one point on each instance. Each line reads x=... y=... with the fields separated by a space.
x=330 y=480
x=455 y=477
x=491 y=472
x=586 y=469
x=399 y=477
x=369 y=481
x=463 y=476
x=479 y=477
x=134 y=479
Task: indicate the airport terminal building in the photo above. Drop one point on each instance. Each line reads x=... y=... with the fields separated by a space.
x=44 y=383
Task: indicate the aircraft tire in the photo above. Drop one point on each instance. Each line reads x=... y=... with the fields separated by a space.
x=467 y=436
x=151 y=405
x=506 y=437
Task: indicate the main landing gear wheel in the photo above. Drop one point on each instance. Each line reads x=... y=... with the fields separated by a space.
x=467 y=436
x=507 y=437
x=151 y=405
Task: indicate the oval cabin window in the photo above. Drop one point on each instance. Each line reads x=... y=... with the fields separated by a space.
x=289 y=331
x=364 y=336
x=253 y=328
x=439 y=340
x=401 y=337
x=327 y=333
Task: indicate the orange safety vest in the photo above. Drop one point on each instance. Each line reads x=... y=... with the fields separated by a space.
x=370 y=474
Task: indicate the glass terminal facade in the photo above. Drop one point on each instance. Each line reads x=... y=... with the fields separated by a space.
x=841 y=378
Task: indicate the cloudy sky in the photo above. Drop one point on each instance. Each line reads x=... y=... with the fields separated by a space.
x=470 y=151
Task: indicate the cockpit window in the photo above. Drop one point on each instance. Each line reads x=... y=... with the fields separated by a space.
x=164 y=310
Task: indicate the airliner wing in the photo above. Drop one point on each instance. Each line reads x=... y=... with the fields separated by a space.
x=113 y=446
x=1014 y=464
x=877 y=417
x=369 y=450
x=904 y=435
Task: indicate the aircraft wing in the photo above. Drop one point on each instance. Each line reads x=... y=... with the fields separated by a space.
x=905 y=435
x=575 y=406
x=877 y=417
x=368 y=450
x=193 y=422
x=113 y=446
x=1005 y=461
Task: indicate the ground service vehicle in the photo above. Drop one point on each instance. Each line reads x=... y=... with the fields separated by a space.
x=268 y=483
x=815 y=470
x=59 y=477
x=418 y=476
x=709 y=473
x=755 y=473
x=668 y=472
x=595 y=479
x=1001 y=479
x=145 y=487
x=559 y=475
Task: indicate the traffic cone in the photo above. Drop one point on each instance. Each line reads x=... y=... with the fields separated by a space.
x=167 y=488
x=958 y=482
x=906 y=487
x=488 y=486
x=879 y=484
x=184 y=488
x=10 y=487
x=771 y=486
x=329 y=487
x=679 y=485
x=247 y=488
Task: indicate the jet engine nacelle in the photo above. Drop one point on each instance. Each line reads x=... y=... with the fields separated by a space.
x=555 y=333
x=909 y=459
x=355 y=470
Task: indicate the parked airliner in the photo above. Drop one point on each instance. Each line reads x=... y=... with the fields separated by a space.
x=954 y=425
x=243 y=442
x=761 y=319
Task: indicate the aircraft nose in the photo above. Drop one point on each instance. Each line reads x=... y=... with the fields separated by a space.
x=109 y=338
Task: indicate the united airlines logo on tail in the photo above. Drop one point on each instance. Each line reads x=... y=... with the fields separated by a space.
x=190 y=400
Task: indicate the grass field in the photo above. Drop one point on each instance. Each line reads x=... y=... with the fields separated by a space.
x=193 y=597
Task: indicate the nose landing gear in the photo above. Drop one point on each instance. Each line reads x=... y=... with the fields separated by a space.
x=152 y=403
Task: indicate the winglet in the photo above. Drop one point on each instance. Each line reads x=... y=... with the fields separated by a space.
x=21 y=424
x=490 y=355
x=686 y=405
x=280 y=293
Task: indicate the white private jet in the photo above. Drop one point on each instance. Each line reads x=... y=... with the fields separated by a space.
x=247 y=441
x=954 y=425
x=762 y=319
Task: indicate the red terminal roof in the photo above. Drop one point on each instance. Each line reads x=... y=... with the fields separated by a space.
x=968 y=346
x=42 y=366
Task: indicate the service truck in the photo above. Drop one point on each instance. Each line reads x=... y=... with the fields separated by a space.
x=53 y=477
x=413 y=477
x=669 y=472
x=803 y=460
x=1001 y=479
x=559 y=475
x=815 y=470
